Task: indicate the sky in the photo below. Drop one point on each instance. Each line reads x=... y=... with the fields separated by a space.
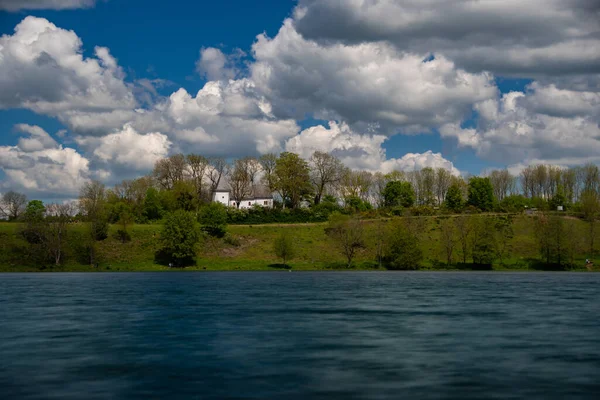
x=102 y=89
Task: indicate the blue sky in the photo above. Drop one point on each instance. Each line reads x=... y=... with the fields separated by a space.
x=355 y=64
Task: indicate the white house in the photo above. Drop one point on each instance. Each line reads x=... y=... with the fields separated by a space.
x=261 y=197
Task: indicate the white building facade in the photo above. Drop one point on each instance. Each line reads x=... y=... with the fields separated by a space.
x=224 y=197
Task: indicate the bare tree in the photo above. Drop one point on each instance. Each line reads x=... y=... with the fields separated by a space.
x=502 y=183
x=443 y=180
x=169 y=171
x=197 y=167
x=348 y=234
x=268 y=162
x=218 y=168
x=12 y=204
x=325 y=170
x=57 y=217
x=356 y=184
x=240 y=181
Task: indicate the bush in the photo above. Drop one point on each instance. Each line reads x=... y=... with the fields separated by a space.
x=232 y=240
x=213 y=218
x=178 y=238
x=123 y=236
x=284 y=247
x=403 y=252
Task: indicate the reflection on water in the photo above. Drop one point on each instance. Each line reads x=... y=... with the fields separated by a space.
x=299 y=336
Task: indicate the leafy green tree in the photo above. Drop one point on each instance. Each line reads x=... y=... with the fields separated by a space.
x=34 y=211
x=92 y=203
x=284 y=247
x=514 y=203
x=454 y=199
x=551 y=234
x=590 y=207
x=354 y=204
x=124 y=214
x=448 y=238
x=348 y=233
x=397 y=193
x=481 y=193
x=178 y=239
x=483 y=243
x=503 y=231
x=403 y=251
x=152 y=208
x=292 y=175
x=559 y=199
x=213 y=218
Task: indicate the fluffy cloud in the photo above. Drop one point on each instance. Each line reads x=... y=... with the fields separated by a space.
x=543 y=124
x=361 y=151
x=42 y=69
x=226 y=118
x=16 y=5
x=128 y=148
x=37 y=164
x=534 y=37
x=367 y=83
x=214 y=65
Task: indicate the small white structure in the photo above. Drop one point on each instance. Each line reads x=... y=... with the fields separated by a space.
x=261 y=198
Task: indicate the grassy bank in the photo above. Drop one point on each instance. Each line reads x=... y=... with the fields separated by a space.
x=252 y=249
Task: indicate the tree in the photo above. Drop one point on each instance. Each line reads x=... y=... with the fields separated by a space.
x=503 y=232
x=483 y=244
x=558 y=199
x=34 y=211
x=152 y=208
x=503 y=183
x=169 y=171
x=58 y=217
x=213 y=219
x=284 y=247
x=268 y=163
x=293 y=178
x=197 y=166
x=403 y=251
x=124 y=219
x=92 y=204
x=240 y=181
x=326 y=170
x=481 y=193
x=443 y=181
x=178 y=239
x=590 y=206
x=218 y=168
x=398 y=193
x=551 y=235
x=12 y=205
x=447 y=238
x=454 y=199
x=464 y=227
x=348 y=234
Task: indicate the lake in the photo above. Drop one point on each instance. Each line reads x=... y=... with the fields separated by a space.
x=299 y=335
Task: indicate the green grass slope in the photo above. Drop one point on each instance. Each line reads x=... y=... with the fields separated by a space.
x=251 y=248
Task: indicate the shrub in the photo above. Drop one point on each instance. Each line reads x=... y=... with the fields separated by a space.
x=232 y=240
x=213 y=218
x=178 y=238
x=284 y=247
x=403 y=251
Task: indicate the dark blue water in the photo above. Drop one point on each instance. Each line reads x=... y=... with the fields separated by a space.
x=299 y=336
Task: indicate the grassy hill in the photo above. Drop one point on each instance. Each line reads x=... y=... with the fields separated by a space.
x=250 y=247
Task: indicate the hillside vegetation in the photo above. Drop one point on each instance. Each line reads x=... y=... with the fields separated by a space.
x=250 y=247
